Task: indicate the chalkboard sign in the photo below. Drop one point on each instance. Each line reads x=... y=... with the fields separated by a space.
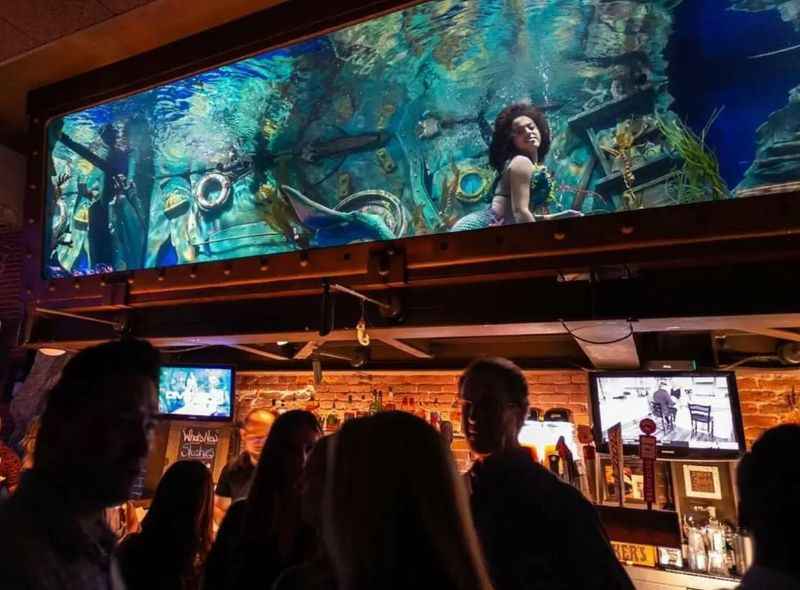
x=199 y=444
x=137 y=488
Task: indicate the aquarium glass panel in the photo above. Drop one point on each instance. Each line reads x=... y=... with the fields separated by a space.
x=389 y=129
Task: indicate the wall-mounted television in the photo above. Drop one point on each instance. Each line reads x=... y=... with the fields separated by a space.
x=385 y=129
x=697 y=415
x=194 y=392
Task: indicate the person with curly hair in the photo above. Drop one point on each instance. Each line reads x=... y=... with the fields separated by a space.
x=524 y=190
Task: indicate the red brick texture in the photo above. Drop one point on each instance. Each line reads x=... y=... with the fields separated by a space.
x=766 y=398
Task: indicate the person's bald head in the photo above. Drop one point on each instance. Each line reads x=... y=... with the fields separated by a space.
x=254 y=431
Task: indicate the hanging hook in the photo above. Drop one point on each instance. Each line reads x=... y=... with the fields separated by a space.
x=361 y=326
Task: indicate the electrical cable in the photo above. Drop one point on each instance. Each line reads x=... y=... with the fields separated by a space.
x=180 y=350
x=763 y=358
x=596 y=342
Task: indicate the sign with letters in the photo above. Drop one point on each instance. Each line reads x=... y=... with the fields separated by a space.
x=634 y=554
x=199 y=444
x=617 y=458
x=647 y=452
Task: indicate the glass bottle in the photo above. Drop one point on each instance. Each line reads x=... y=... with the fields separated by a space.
x=375 y=405
x=698 y=558
x=390 y=401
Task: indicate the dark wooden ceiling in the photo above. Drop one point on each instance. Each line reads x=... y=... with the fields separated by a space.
x=45 y=41
x=716 y=317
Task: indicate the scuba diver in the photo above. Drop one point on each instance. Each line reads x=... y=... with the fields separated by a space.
x=118 y=216
x=524 y=190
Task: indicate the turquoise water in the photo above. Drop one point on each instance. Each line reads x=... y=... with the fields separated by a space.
x=382 y=129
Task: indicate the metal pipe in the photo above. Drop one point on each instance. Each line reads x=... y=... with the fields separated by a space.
x=75 y=316
x=357 y=295
x=331 y=355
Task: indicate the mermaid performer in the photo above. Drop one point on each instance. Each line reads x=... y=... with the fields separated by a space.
x=524 y=190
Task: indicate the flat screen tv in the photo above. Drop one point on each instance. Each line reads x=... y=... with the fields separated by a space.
x=196 y=392
x=697 y=414
x=385 y=129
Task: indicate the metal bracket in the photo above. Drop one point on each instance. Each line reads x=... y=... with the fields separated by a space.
x=387 y=266
x=116 y=288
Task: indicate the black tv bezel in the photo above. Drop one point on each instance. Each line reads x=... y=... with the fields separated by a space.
x=668 y=451
x=193 y=417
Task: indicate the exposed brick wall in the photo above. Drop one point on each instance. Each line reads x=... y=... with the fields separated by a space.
x=768 y=399
x=765 y=397
x=423 y=392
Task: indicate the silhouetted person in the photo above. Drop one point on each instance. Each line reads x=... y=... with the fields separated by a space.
x=769 y=507
x=537 y=532
x=236 y=477
x=396 y=515
x=317 y=572
x=176 y=533
x=263 y=535
x=92 y=442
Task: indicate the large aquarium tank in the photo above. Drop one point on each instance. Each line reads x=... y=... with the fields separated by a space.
x=448 y=116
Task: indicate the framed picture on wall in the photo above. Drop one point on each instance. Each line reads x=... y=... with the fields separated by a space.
x=633 y=480
x=702 y=481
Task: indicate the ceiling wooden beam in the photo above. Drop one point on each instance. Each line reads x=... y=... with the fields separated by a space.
x=404 y=347
x=307 y=350
x=774 y=333
x=259 y=352
x=432 y=332
x=608 y=344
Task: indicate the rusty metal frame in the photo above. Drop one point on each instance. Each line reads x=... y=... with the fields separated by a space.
x=764 y=228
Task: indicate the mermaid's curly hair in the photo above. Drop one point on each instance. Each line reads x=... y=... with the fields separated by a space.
x=502 y=147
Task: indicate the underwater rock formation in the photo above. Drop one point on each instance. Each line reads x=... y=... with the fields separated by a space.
x=778 y=147
x=788 y=9
x=624 y=27
x=617 y=28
